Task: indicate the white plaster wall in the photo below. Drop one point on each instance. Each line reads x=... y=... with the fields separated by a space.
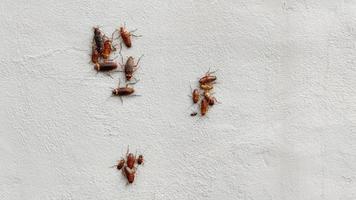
x=285 y=129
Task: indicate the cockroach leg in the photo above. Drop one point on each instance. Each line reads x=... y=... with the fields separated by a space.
x=106 y=37
x=209 y=72
x=191 y=90
x=135 y=95
x=108 y=74
x=120 y=48
x=138 y=61
x=136 y=35
x=114 y=47
x=133 y=83
x=136 y=67
x=112 y=34
x=219 y=102
x=140 y=58
x=213 y=72
x=136 y=81
x=122 y=67
x=190 y=85
x=133 y=30
x=122 y=57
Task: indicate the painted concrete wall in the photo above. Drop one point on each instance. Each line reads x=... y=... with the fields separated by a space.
x=285 y=128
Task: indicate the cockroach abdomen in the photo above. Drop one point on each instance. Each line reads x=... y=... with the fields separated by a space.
x=130 y=174
x=130 y=161
x=105 y=66
x=203 y=107
x=195 y=95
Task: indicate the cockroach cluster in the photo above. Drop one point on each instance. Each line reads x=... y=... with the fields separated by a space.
x=204 y=93
x=129 y=165
x=103 y=47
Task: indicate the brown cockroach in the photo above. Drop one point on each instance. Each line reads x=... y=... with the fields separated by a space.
x=107 y=48
x=123 y=91
x=207 y=78
x=120 y=164
x=140 y=160
x=204 y=106
x=211 y=100
x=130 y=67
x=130 y=174
x=126 y=36
x=105 y=66
x=98 y=40
x=195 y=95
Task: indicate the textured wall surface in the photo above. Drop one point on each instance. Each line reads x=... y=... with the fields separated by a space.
x=285 y=128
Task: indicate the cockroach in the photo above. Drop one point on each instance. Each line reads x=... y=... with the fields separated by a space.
x=211 y=100
x=98 y=40
x=121 y=164
x=140 y=159
x=195 y=95
x=206 y=86
x=207 y=78
x=130 y=67
x=105 y=66
x=129 y=166
x=126 y=36
x=95 y=55
x=130 y=174
x=130 y=161
x=193 y=114
x=106 y=49
x=204 y=106
x=123 y=91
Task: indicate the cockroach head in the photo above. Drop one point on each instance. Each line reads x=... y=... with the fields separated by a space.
x=128 y=76
x=114 y=91
x=96 y=30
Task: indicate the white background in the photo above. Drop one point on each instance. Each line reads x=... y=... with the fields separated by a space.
x=285 y=128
